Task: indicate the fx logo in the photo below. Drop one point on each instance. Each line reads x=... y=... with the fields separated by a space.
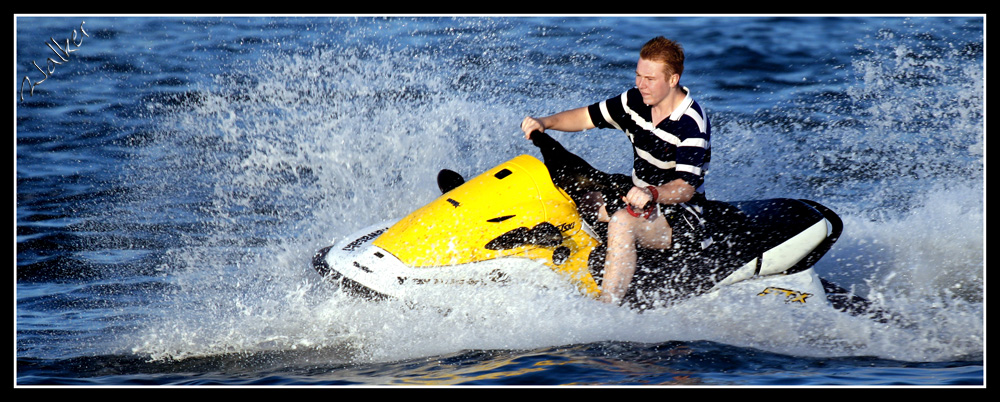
x=791 y=296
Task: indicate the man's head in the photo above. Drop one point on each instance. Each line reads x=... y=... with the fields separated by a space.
x=665 y=51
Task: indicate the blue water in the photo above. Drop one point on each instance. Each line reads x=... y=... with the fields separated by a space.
x=175 y=175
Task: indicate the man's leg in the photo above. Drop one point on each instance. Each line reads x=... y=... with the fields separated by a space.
x=625 y=233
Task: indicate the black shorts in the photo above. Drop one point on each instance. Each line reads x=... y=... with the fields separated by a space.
x=689 y=228
x=690 y=231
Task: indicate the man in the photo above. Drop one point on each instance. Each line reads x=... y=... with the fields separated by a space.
x=670 y=136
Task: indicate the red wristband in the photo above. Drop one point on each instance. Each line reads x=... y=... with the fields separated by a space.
x=656 y=194
x=650 y=206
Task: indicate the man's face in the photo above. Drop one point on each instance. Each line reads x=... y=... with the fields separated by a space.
x=652 y=81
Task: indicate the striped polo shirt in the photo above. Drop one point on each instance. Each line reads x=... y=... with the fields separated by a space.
x=679 y=147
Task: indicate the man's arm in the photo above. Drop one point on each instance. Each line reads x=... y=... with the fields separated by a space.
x=570 y=121
x=674 y=192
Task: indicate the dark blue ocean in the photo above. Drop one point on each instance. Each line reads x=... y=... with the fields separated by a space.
x=175 y=175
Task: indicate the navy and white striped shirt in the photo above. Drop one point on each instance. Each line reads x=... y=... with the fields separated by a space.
x=678 y=147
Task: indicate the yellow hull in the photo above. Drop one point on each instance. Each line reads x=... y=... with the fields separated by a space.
x=512 y=211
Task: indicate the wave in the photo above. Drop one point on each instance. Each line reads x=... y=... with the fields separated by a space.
x=286 y=153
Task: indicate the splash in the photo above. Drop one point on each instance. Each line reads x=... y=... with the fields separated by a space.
x=289 y=152
x=283 y=155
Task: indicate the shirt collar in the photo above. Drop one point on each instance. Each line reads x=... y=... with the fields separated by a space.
x=683 y=106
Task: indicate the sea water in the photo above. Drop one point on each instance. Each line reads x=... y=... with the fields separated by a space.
x=175 y=175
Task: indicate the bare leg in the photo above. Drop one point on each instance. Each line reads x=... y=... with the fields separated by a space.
x=625 y=232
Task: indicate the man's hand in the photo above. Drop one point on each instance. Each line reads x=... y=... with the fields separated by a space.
x=572 y=120
x=530 y=125
x=639 y=197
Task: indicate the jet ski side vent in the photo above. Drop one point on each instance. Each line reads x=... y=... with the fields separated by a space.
x=500 y=218
x=544 y=234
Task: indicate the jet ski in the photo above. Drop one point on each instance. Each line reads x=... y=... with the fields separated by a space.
x=521 y=219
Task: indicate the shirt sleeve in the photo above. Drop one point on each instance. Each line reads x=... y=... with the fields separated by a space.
x=606 y=114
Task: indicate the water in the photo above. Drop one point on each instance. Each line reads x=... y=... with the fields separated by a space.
x=175 y=176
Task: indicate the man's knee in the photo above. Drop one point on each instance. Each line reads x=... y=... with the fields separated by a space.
x=654 y=234
x=622 y=220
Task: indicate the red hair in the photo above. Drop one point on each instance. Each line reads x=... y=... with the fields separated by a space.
x=665 y=51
